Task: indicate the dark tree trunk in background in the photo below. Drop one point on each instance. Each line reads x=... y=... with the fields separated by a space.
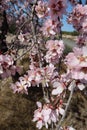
x=4 y=30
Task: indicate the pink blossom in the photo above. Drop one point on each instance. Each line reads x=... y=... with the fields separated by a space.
x=20 y=87
x=21 y=37
x=55 y=50
x=47 y=73
x=58 y=88
x=45 y=115
x=1 y=69
x=76 y=62
x=81 y=86
x=41 y=9
x=50 y=27
x=79 y=18
x=81 y=39
x=25 y=80
x=78 y=58
x=7 y=66
x=84 y=24
x=70 y=128
x=35 y=76
x=57 y=8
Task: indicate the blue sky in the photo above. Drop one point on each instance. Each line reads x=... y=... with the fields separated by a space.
x=66 y=26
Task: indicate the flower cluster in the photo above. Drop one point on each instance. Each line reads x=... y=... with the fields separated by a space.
x=50 y=27
x=79 y=17
x=81 y=40
x=57 y=8
x=41 y=9
x=79 y=20
x=53 y=14
x=46 y=114
x=55 y=49
x=76 y=62
x=58 y=88
x=34 y=77
x=7 y=67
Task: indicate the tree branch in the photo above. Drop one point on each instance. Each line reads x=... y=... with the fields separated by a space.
x=24 y=53
x=67 y=105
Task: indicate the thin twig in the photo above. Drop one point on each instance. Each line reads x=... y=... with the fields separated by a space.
x=18 y=33
x=67 y=105
x=24 y=53
x=36 y=43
